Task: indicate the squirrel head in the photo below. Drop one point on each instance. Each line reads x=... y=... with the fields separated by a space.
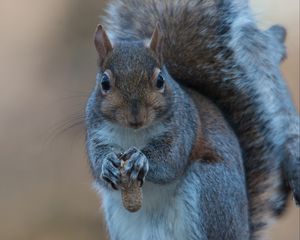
x=132 y=88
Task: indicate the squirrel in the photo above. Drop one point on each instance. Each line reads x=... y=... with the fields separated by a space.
x=177 y=145
x=216 y=48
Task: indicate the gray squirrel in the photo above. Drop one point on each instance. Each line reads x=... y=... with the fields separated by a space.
x=176 y=140
x=177 y=143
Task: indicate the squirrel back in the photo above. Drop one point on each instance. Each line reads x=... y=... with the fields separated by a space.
x=216 y=48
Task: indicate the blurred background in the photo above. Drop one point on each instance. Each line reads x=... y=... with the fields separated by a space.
x=47 y=68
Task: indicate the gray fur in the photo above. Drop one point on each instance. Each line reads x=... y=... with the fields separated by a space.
x=216 y=48
x=179 y=131
x=184 y=198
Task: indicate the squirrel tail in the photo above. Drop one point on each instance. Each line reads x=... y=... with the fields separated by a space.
x=216 y=48
x=291 y=163
x=194 y=31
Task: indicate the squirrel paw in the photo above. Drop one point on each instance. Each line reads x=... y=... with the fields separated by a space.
x=137 y=164
x=111 y=170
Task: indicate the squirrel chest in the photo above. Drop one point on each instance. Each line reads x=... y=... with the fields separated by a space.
x=162 y=213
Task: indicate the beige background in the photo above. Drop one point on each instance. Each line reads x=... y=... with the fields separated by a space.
x=47 y=67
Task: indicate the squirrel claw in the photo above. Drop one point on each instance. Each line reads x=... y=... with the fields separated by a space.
x=137 y=165
x=110 y=172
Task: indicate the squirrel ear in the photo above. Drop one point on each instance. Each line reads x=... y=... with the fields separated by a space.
x=156 y=41
x=102 y=44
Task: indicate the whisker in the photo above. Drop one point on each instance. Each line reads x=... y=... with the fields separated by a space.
x=73 y=122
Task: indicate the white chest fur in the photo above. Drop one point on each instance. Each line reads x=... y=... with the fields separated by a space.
x=161 y=216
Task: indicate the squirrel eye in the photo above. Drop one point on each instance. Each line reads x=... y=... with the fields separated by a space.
x=160 y=82
x=105 y=83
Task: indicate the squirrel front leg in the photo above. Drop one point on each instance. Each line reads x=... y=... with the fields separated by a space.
x=161 y=161
x=167 y=156
x=104 y=162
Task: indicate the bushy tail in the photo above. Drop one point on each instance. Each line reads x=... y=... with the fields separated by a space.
x=216 y=48
x=195 y=32
x=291 y=163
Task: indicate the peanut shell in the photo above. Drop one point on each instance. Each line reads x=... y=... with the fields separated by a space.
x=132 y=196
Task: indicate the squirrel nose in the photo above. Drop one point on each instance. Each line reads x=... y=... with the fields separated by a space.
x=136 y=124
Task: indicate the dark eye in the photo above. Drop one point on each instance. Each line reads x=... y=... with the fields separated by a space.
x=160 y=82
x=105 y=83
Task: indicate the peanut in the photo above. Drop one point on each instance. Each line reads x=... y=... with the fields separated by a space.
x=132 y=195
